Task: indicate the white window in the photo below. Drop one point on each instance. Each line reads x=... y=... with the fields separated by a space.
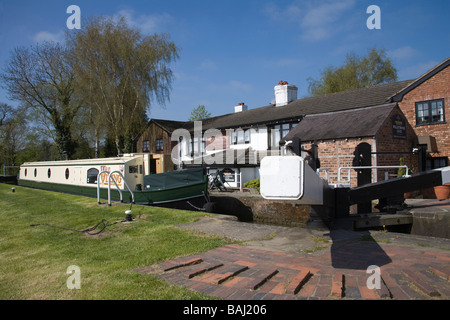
x=430 y=112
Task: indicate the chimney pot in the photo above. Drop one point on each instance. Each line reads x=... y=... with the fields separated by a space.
x=285 y=93
x=240 y=107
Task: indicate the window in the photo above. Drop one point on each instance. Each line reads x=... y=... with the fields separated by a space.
x=195 y=147
x=92 y=175
x=279 y=131
x=240 y=136
x=133 y=169
x=234 y=137
x=67 y=173
x=436 y=162
x=35 y=172
x=49 y=173
x=25 y=172
x=146 y=146
x=247 y=136
x=430 y=112
x=159 y=144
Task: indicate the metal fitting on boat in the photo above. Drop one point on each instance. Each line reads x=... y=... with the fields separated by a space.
x=128 y=216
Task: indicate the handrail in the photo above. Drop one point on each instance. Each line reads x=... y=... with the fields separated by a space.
x=98 y=184
x=109 y=186
x=368 y=167
x=327 y=173
x=124 y=182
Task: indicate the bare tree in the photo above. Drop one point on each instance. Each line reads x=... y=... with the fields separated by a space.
x=41 y=78
x=12 y=133
x=120 y=71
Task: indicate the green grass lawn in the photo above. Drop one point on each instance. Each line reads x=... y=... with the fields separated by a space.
x=34 y=259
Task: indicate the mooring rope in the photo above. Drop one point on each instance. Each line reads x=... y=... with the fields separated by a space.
x=104 y=224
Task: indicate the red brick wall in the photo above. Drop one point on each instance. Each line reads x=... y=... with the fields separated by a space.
x=387 y=143
x=437 y=87
x=339 y=153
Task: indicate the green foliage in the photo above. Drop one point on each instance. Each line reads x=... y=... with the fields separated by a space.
x=253 y=184
x=401 y=171
x=199 y=113
x=119 y=71
x=42 y=79
x=97 y=85
x=34 y=259
x=356 y=72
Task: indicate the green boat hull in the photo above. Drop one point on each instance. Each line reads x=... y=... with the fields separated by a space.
x=141 y=196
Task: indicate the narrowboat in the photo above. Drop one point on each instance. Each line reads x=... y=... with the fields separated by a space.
x=124 y=178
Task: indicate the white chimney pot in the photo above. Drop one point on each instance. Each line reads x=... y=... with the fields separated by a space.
x=240 y=107
x=285 y=93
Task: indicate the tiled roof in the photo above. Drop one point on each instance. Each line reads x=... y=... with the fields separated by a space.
x=168 y=125
x=363 y=122
x=351 y=99
x=398 y=96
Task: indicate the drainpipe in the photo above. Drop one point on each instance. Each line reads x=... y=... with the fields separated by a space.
x=240 y=180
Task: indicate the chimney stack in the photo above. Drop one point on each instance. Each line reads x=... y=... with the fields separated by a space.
x=284 y=93
x=240 y=107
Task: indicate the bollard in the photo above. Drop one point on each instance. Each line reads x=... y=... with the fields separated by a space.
x=128 y=216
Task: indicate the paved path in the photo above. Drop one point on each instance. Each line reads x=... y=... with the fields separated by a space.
x=297 y=263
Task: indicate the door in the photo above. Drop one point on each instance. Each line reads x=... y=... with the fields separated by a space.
x=153 y=166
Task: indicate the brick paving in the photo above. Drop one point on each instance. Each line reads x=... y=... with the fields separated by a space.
x=235 y=272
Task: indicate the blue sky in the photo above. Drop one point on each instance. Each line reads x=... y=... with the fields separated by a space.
x=237 y=51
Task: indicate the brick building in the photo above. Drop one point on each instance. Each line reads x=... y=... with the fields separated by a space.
x=392 y=118
x=426 y=104
x=337 y=134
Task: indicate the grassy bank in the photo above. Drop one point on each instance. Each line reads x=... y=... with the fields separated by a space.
x=34 y=259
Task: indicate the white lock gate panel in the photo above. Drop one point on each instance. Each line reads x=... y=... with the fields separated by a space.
x=290 y=178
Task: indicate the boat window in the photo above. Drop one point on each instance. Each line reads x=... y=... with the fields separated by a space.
x=133 y=169
x=49 y=173
x=35 y=172
x=67 y=173
x=92 y=175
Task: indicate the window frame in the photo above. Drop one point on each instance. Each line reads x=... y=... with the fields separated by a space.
x=429 y=110
x=240 y=136
x=90 y=175
x=195 y=144
x=278 y=132
x=146 y=146
x=159 y=144
x=432 y=162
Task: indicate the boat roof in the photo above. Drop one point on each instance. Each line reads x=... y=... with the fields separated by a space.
x=79 y=162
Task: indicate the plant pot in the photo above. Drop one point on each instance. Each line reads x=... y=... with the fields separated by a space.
x=442 y=192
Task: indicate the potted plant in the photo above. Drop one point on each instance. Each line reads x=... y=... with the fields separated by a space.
x=442 y=192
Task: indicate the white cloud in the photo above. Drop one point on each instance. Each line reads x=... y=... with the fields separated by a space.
x=316 y=20
x=283 y=63
x=49 y=36
x=208 y=64
x=402 y=53
x=241 y=86
x=321 y=22
x=147 y=23
x=416 y=70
